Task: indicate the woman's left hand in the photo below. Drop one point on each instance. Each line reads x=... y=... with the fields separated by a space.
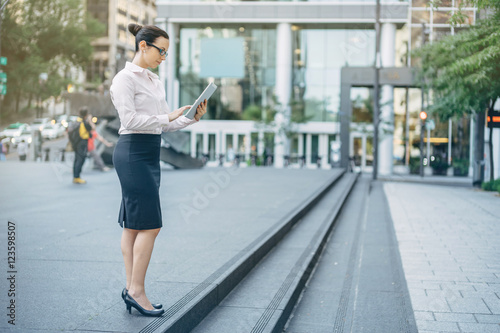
x=201 y=110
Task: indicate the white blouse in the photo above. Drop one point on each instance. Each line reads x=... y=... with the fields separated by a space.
x=139 y=98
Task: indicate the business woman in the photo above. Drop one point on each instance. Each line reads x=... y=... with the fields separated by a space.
x=139 y=98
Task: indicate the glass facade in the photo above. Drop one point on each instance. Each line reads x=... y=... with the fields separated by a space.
x=236 y=98
x=319 y=55
x=319 y=51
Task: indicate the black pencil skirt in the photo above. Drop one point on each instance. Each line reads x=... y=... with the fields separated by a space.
x=137 y=162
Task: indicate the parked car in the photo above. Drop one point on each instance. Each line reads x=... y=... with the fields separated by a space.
x=40 y=123
x=15 y=130
x=25 y=135
x=53 y=131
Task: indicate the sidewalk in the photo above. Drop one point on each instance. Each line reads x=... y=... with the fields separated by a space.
x=431 y=180
x=449 y=244
x=68 y=260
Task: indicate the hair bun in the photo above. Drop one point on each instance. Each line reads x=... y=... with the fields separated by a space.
x=134 y=28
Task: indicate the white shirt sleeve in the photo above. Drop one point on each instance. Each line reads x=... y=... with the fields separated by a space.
x=122 y=94
x=178 y=124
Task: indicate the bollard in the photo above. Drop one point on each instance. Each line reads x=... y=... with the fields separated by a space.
x=47 y=154
x=63 y=150
x=318 y=162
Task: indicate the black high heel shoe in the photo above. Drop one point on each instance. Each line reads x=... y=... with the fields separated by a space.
x=132 y=303
x=156 y=306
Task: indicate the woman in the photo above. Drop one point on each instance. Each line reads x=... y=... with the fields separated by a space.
x=139 y=98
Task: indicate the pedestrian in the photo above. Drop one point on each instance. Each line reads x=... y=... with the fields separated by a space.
x=98 y=162
x=139 y=98
x=3 y=150
x=22 y=150
x=80 y=145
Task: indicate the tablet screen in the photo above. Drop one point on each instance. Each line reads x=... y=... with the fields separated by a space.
x=205 y=95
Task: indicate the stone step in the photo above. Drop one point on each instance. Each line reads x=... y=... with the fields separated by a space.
x=263 y=301
x=197 y=303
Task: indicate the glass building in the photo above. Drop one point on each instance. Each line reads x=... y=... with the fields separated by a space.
x=278 y=65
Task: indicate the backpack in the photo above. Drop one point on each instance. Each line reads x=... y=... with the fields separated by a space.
x=74 y=134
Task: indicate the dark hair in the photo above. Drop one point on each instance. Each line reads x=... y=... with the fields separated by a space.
x=147 y=33
x=83 y=112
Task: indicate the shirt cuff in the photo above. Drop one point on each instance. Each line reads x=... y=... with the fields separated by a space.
x=163 y=119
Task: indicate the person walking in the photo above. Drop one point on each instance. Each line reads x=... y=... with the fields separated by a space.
x=139 y=98
x=80 y=144
x=3 y=150
x=98 y=162
x=22 y=150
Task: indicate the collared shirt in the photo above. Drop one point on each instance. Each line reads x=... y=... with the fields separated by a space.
x=139 y=98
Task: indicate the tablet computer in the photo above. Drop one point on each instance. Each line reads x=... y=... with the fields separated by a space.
x=205 y=95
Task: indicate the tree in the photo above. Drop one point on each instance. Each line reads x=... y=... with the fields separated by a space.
x=40 y=36
x=463 y=72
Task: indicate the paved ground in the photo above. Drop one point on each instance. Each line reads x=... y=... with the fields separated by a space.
x=69 y=265
x=449 y=244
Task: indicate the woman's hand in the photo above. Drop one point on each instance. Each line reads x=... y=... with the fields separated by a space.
x=201 y=110
x=177 y=113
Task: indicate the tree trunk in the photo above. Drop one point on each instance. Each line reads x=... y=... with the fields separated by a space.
x=478 y=162
x=18 y=100
x=492 y=163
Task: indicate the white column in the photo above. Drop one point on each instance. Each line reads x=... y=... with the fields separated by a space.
x=248 y=146
x=193 y=144
x=205 y=143
x=363 y=155
x=308 y=147
x=171 y=66
x=235 y=143
x=283 y=88
x=386 y=138
x=324 y=152
x=301 y=145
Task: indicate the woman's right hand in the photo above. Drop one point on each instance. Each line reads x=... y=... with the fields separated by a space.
x=177 y=113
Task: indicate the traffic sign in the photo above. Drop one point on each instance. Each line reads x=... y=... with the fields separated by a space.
x=494 y=119
x=3 y=61
x=430 y=125
x=3 y=77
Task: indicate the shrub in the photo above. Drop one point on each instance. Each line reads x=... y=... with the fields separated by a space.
x=492 y=185
x=487 y=186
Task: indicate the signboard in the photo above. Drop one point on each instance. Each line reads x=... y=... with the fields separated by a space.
x=493 y=119
x=3 y=61
x=222 y=57
x=3 y=77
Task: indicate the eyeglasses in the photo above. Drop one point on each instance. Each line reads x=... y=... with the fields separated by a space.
x=162 y=51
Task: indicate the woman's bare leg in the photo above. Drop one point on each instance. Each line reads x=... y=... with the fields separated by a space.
x=127 y=244
x=143 y=247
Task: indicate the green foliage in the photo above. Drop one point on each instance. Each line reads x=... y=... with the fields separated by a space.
x=254 y=112
x=439 y=165
x=462 y=71
x=414 y=165
x=460 y=167
x=41 y=36
x=492 y=185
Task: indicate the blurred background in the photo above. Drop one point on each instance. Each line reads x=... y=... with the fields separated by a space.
x=280 y=69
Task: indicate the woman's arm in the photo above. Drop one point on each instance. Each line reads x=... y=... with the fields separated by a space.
x=183 y=121
x=123 y=96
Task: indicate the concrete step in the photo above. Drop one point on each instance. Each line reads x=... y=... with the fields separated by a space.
x=358 y=284
x=263 y=301
x=190 y=309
